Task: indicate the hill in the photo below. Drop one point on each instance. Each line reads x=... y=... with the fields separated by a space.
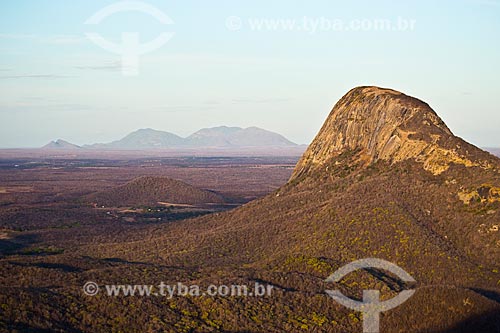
x=61 y=144
x=494 y=151
x=216 y=137
x=237 y=137
x=142 y=139
x=151 y=191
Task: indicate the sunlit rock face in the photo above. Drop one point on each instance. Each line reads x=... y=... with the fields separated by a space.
x=384 y=124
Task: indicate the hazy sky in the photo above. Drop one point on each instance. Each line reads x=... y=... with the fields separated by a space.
x=235 y=63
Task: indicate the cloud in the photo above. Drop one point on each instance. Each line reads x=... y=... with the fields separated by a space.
x=49 y=39
x=35 y=76
x=494 y=3
x=179 y=108
x=112 y=66
x=217 y=59
x=17 y=36
x=184 y=108
x=259 y=101
x=41 y=105
x=61 y=39
x=69 y=107
x=211 y=102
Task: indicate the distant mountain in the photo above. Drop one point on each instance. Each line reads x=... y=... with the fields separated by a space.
x=60 y=144
x=143 y=139
x=494 y=151
x=224 y=136
x=216 y=137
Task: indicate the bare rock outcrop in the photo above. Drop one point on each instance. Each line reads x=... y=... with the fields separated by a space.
x=384 y=124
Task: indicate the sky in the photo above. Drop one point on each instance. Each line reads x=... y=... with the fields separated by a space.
x=278 y=65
